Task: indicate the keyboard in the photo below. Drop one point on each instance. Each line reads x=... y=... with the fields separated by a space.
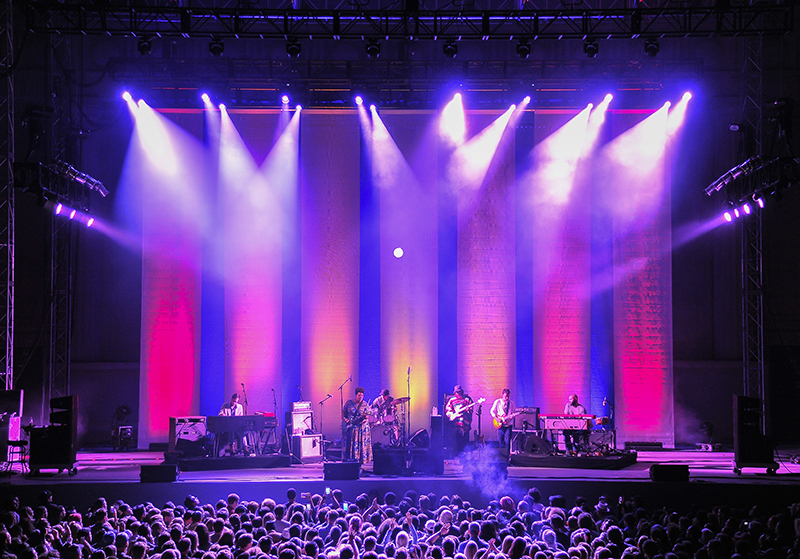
x=562 y=422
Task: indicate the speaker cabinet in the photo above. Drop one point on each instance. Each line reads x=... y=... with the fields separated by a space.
x=188 y=428
x=341 y=470
x=436 y=432
x=388 y=462
x=424 y=461
x=669 y=472
x=420 y=439
x=307 y=448
x=158 y=473
x=749 y=443
x=529 y=443
x=300 y=422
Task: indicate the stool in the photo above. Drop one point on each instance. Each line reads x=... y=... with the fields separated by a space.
x=17 y=454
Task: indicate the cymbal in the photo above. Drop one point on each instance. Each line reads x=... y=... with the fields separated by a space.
x=402 y=400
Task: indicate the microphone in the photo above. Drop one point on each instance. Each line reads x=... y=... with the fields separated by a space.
x=605 y=401
x=242 y=384
x=272 y=389
x=329 y=396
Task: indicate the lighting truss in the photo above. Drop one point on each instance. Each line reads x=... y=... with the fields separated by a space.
x=254 y=23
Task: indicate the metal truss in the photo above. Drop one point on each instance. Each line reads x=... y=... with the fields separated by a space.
x=7 y=196
x=248 y=82
x=451 y=23
x=752 y=256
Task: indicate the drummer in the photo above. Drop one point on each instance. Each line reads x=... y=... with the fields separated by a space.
x=383 y=407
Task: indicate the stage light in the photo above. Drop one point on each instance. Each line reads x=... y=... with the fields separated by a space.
x=687 y=96
x=760 y=202
x=90 y=222
x=145 y=46
x=651 y=48
x=527 y=99
x=293 y=48
x=373 y=48
x=285 y=99
x=127 y=96
x=222 y=107
x=398 y=252
x=523 y=49
x=608 y=98
x=747 y=209
x=359 y=100
x=298 y=108
x=67 y=171
x=591 y=48
x=728 y=217
x=205 y=98
x=450 y=49
x=736 y=212
x=373 y=108
x=72 y=214
x=59 y=208
x=216 y=47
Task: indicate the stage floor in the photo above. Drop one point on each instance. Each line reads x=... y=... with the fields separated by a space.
x=115 y=475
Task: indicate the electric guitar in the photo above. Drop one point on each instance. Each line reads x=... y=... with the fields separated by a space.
x=460 y=409
x=499 y=422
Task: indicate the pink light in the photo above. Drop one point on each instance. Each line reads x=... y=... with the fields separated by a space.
x=736 y=212
x=72 y=214
x=728 y=216
x=746 y=209
x=760 y=202
x=359 y=100
x=89 y=223
x=59 y=207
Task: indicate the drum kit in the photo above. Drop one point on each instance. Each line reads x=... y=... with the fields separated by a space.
x=388 y=422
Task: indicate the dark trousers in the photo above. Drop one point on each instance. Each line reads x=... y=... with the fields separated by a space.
x=462 y=438
x=573 y=440
x=504 y=433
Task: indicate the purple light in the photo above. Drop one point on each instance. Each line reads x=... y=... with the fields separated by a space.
x=59 y=207
x=746 y=209
x=89 y=223
x=72 y=214
x=127 y=96
x=760 y=202
x=728 y=216
x=359 y=100
x=608 y=98
x=527 y=99
x=222 y=107
x=667 y=105
x=206 y=99
x=687 y=96
x=736 y=212
x=285 y=99
x=299 y=108
x=373 y=108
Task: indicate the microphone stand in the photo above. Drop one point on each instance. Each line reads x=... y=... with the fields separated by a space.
x=407 y=421
x=341 y=407
x=322 y=422
x=246 y=439
x=244 y=397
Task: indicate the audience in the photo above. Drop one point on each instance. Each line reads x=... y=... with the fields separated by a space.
x=412 y=527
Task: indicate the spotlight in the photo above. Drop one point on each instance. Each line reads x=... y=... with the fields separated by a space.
x=760 y=201
x=72 y=214
x=747 y=209
x=728 y=216
x=293 y=48
x=145 y=46
x=205 y=98
x=523 y=49
x=590 y=48
x=736 y=212
x=90 y=222
x=651 y=48
x=59 y=208
x=359 y=100
x=127 y=96
x=216 y=47
x=284 y=99
x=450 y=49
x=373 y=48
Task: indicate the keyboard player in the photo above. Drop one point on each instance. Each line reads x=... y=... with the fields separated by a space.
x=573 y=437
x=228 y=409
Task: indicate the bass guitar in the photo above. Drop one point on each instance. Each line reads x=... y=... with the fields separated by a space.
x=460 y=409
x=499 y=422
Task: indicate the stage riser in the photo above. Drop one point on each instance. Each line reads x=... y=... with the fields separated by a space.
x=615 y=462
x=234 y=463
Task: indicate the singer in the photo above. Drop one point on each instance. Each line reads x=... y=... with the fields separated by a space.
x=358 y=439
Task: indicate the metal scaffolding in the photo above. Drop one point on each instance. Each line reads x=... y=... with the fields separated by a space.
x=7 y=194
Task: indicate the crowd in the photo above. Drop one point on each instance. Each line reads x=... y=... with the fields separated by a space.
x=385 y=526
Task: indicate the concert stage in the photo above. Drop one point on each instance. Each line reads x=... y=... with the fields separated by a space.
x=477 y=477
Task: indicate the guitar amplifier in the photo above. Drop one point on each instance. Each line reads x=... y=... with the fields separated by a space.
x=189 y=428
x=307 y=448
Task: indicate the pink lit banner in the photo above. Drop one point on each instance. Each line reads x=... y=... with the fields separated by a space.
x=329 y=232
x=486 y=322
x=408 y=198
x=642 y=278
x=561 y=221
x=171 y=266
x=251 y=201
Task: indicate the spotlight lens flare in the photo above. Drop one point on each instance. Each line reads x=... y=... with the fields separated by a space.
x=746 y=209
x=59 y=208
x=760 y=202
x=72 y=214
x=373 y=108
x=728 y=216
x=127 y=96
x=398 y=252
x=222 y=107
x=687 y=96
x=527 y=99
x=205 y=98
x=736 y=212
x=359 y=100
x=298 y=108
x=285 y=99
x=608 y=98
x=90 y=222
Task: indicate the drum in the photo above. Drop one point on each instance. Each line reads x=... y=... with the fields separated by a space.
x=389 y=417
x=602 y=421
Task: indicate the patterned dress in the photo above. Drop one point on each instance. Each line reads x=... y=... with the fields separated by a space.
x=358 y=438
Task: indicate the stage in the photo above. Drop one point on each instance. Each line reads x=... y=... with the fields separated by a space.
x=478 y=478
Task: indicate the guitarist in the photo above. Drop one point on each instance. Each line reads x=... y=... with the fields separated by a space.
x=358 y=440
x=503 y=412
x=459 y=410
